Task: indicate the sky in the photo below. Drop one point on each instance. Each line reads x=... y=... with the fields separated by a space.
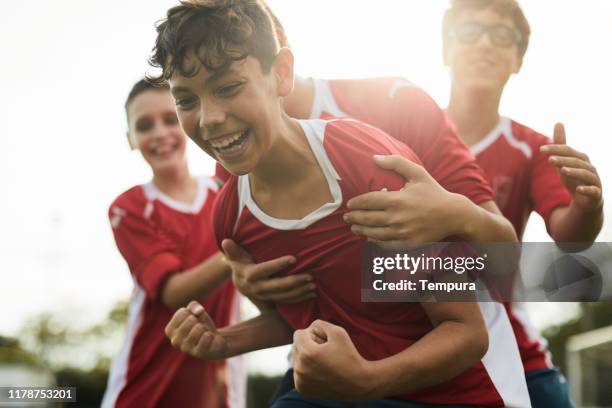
x=68 y=65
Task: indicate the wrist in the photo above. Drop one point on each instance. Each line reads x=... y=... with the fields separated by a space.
x=463 y=216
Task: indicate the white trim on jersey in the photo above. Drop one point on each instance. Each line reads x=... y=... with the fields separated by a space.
x=236 y=366
x=399 y=84
x=504 y=127
x=314 y=131
x=117 y=376
x=519 y=311
x=503 y=360
x=324 y=101
x=204 y=184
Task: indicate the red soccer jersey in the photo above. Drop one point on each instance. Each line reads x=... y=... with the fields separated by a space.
x=158 y=237
x=325 y=247
x=522 y=182
x=408 y=114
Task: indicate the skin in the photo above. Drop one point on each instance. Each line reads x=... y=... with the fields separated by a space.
x=155 y=131
x=210 y=112
x=479 y=73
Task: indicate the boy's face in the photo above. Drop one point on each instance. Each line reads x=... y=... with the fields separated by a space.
x=482 y=59
x=154 y=129
x=234 y=114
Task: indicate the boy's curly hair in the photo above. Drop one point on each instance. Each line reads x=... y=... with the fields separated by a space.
x=218 y=32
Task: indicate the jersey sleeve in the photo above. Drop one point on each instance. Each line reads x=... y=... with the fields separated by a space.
x=151 y=256
x=221 y=173
x=418 y=122
x=546 y=190
x=352 y=146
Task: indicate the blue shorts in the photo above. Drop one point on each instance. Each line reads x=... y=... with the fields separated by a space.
x=548 y=389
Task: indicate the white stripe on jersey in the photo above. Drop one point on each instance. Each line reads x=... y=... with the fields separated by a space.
x=504 y=127
x=117 y=376
x=503 y=361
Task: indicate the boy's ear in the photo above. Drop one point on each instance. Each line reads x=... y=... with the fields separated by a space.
x=283 y=70
x=130 y=140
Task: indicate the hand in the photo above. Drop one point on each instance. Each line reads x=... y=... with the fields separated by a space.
x=578 y=175
x=327 y=365
x=422 y=211
x=255 y=281
x=192 y=331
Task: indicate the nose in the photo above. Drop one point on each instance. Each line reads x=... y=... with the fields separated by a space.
x=211 y=115
x=484 y=39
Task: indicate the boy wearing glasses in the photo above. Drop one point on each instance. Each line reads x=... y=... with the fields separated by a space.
x=484 y=43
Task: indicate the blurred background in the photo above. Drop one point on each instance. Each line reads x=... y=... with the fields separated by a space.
x=67 y=67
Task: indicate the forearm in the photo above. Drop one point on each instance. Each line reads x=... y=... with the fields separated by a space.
x=483 y=223
x=445 y=352
x=267 y=330
x=570 y=224
x=195 y=283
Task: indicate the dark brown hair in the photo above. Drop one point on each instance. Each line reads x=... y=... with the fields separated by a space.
x=219 y=32
x=141 y=86
x=504 y=8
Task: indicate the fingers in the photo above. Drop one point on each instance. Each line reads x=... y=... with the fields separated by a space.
x=585 y=177
x=590 y=191
x=326 y=331
x=375 y=233
x=559 y=136
x=297 y=295
x=284 y=289
x=568 y=161
x=375 y=200
x=367 y=218
x=402 y=166
x=234 y=252
x=200 y=313
x=563 y=150
x=266 y=269
x=179 y=317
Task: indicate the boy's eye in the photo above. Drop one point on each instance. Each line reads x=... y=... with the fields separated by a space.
x=144 y=125
x=185 y=103
x=171 y=120
x=229 y=90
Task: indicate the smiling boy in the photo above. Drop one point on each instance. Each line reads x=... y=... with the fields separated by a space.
x=291 y=180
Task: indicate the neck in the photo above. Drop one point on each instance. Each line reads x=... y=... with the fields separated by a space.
x=474 y=112
x=288 y=161
x=299 y=103
x=176 y=183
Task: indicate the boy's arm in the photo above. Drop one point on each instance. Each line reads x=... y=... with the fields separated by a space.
x=582 y=220
x=423 y=211
x=327 y=365
x=193 y=332
x=194 y=283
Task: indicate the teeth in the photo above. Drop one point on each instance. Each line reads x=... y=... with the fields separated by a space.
x=227 y=141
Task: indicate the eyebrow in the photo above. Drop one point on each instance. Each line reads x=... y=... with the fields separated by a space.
x=214 y=77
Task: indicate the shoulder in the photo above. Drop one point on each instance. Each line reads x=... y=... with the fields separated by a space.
x=350 y=138
x=132 y=200
x=528 y=135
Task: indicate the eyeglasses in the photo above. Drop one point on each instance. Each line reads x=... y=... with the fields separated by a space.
x=501 y=35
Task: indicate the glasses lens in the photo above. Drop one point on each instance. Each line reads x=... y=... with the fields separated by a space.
x=468 y=32
x=503 y=35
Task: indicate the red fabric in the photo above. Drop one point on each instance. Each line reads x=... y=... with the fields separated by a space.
x=523 y=181
x=328 y=250
x=157 y=241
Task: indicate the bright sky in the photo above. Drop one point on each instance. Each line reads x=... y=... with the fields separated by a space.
x=69 y=64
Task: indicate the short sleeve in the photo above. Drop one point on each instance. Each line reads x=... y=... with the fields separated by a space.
x=419 y=123
x=151 y=256
x=546 y=190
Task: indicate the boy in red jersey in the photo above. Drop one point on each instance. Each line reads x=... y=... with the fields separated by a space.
x=228 y=78
x=163 y=229
x=484 y=44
